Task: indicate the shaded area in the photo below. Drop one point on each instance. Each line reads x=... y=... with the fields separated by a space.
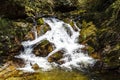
x=12 y=10
x=65 y=8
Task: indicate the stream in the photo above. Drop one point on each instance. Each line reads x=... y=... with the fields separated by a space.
x=76 y=62
x=64 y=38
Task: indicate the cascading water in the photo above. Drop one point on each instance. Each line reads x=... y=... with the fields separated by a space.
x=63 y=37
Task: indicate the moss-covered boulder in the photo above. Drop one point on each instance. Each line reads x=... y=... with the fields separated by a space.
x=56 y=57
x=38 y=30
x=43 y=49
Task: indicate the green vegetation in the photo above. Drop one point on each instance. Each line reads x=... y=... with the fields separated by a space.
x=52 y=75
x=97 y=19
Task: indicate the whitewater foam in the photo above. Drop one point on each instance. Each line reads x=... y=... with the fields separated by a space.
x=63 y=37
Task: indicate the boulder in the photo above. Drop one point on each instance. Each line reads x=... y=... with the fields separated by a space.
x=40 y=28
x=43 y=49
x=56 y=57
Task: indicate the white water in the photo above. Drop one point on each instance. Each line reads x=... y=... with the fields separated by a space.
x=64 y=37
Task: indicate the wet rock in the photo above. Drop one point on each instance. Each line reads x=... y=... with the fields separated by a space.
x=35 y=67
x=56 y=57
x=30 y=36
x=17 y=62
x=43 y=49
x=71 y=22
x=15 y=50
x=40 y=29
x=9 y=69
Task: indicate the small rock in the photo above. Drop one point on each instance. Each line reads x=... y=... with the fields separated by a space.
x=35 y=67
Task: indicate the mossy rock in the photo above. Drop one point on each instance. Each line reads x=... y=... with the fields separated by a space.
x=88 y=30
x=41 y=29
x=43 y=49
x=56 y=57
x=11 y=36
x=71 y=23
x=40 y=21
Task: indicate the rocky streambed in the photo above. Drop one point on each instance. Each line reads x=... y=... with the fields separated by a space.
x=97 y=19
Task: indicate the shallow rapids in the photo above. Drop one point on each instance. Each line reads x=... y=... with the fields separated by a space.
x=64 y=38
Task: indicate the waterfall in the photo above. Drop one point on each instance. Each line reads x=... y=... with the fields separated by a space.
x=63 y=37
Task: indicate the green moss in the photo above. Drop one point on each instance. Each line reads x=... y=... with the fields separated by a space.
x=90 y=49
x=11 y=34
x=43 y=49
x=3 y=22
x=76 y=12
x=40 y=21
x=56 y=57
x=45 y=28
x=44 y=43
x=88 y=30
x=52 y=75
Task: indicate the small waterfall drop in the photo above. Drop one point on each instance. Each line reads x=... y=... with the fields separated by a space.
x=63 y=37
